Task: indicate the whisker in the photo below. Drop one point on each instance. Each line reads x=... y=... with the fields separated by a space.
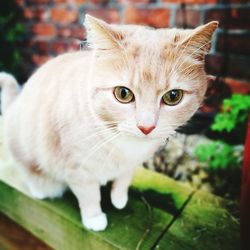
x=99 y=146
x=99 y=133
x=97 y=126
x=89 y=133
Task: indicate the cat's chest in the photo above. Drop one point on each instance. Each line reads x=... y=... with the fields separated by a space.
x=114 y=159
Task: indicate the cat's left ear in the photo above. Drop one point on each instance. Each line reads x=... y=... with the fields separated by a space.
x=102 y=36
x=199 y=41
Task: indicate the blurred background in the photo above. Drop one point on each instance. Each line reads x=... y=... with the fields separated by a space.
x=207 y=152
x=32 y=31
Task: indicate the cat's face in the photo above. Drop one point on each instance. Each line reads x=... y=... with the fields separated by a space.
x=147 y=82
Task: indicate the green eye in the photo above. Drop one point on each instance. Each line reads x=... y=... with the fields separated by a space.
x=172 y=97
x=123 y=94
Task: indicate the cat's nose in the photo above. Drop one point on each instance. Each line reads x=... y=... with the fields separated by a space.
x=146 y=130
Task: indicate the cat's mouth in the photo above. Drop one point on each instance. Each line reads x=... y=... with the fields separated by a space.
x=140 y=136
x=135 y=133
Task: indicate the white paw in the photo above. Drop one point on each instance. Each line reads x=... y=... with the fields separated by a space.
x=119 y=201
x=37 y=194
x=96 y=223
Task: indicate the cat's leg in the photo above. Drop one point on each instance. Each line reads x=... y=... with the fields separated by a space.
x=119 y=192
x=89 y=198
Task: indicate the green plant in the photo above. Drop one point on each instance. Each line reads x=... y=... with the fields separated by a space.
x=12 y=31
x=235 y=112
x=218 y=154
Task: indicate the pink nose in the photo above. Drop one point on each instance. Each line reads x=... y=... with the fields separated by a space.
x=146 y=130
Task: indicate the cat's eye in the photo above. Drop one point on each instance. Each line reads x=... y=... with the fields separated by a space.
x=172 y=97
x=123 y=94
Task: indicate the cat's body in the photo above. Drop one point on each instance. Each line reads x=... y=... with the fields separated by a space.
x=67 y=127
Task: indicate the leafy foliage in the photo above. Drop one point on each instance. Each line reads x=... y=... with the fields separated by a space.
x=218 y=155
x=12 y=31
x=235 y=112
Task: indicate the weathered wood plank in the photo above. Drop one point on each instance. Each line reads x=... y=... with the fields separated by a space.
x=207 y=222
x=13 y=236
x=160 y=190
x=57 y=222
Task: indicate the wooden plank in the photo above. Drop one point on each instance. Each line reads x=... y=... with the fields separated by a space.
x=12 y=236
x=207 y=222
x=160 y=190
x=57 y=222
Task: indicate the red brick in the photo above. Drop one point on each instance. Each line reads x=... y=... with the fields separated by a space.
x=109 y=15
x=101 y=2
x=20 y=2
x=40 y=47
x=60 y=46
x=136 y=1
x=230 y=18
x=39 y=59
x=34 y=2
x=39 y=14
x=240 y=87
x=77 y=32
x=228 y=66
x=59 y=1
x=69 y=2
x=187 y=18
x=157 y=17
x=191 y=1
x=64 y=32
x=44 y=29
x=237 y=43
x=234 y=85
x=80 y=1
x=64 y=16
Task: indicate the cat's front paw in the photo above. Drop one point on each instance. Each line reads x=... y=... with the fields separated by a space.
x=119 y=201
x=96 y=223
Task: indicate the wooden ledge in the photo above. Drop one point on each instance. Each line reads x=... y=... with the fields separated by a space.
x=160 y=214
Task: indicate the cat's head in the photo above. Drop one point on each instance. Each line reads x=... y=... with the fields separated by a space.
x=147 y=82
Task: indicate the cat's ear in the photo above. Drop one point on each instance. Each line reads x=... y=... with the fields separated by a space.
x=101 y=35
x=198 y=42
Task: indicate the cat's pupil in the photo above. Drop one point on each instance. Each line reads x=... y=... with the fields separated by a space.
x=124 y=93
x=173 y=95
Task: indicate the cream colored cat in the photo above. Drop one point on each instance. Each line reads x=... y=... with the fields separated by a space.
x=89 y=117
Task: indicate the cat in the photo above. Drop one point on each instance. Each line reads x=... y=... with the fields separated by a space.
x=92 y=116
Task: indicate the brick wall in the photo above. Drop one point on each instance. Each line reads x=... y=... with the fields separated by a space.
x=55 y=26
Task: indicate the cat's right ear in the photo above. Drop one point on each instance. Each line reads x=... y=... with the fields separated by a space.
x=199 y=40
x=102 y=36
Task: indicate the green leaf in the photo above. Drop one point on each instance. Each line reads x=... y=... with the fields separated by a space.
x=235 y=112
x=218 y=155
